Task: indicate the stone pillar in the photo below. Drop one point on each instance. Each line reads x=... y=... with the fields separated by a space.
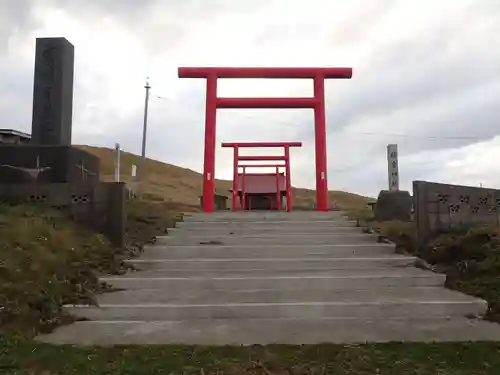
x=53 y=92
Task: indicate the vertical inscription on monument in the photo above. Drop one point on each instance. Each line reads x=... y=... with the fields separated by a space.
x=53 y=92
x=392 y=165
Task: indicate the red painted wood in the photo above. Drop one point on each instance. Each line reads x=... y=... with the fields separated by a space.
x=261 y=72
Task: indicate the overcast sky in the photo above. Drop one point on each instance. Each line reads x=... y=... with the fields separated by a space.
x=426 y=76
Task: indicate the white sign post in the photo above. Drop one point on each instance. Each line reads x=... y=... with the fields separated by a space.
x=117 y=163
x=392 y=162
x=133 y=182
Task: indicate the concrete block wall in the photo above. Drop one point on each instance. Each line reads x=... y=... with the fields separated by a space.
x=440 y=207
x=98 y=205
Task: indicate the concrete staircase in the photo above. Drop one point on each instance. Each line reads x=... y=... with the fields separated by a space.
x=260 y=278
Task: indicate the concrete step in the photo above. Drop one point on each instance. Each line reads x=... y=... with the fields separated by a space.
x=263 y=231
x=268 y=251
x=354 y=280
x=207 y=297
x=282 y=220
x=271 y=239
x=214 y=266
x=260 y=273
x=265 y=224
x=251 y=217
x=407 y=271
x=285 y=310
x=275 y=331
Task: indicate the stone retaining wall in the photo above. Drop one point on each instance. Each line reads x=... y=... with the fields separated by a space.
x=441 y=207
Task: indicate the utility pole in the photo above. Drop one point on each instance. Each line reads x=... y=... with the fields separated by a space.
x=144 y=135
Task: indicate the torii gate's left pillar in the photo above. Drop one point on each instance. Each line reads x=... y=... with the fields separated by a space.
x=210 y=137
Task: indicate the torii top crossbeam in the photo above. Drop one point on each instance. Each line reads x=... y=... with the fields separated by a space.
x=261 y=144
x=260 y=72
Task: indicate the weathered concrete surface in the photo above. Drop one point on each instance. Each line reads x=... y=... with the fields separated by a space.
x=207 y=296
x=268 y=230
x=267 y=225
x=205 y=267
x=300 y=238
x=248 y=217
x=285 y=310
x=195 y=252
x=276 y=331
x=332 y=285
x=345 y=281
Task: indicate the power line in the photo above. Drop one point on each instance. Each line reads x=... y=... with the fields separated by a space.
x=154 y=95
x=414 y=136
x=422 y=136
x=399 y=135
x=160 y=97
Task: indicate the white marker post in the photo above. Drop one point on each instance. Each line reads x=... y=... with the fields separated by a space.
x=133 y=182
x=117 y=163
x=392 y=163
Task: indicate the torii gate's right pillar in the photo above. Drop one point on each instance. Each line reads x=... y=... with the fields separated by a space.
x=320 y=143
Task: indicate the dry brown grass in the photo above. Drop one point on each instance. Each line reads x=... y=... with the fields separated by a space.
x=48 y=260
x=176 y=184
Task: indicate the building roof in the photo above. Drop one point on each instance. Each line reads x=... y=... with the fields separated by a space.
x=14 y=132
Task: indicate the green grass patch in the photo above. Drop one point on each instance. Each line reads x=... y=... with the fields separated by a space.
x=26 y=358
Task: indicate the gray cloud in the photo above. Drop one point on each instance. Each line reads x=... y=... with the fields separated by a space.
x=160 y=24
x=15 y=17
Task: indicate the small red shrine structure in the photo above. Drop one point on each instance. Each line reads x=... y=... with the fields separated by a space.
x=259 y=185
x=262 y=190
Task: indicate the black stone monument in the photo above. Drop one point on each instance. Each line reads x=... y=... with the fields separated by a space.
x=49 y=156
x=53 y=92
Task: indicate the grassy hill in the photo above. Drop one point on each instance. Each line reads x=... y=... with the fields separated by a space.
x=176 y=184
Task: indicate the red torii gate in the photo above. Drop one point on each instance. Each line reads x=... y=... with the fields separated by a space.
x=285 y=158
x=317 y=102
